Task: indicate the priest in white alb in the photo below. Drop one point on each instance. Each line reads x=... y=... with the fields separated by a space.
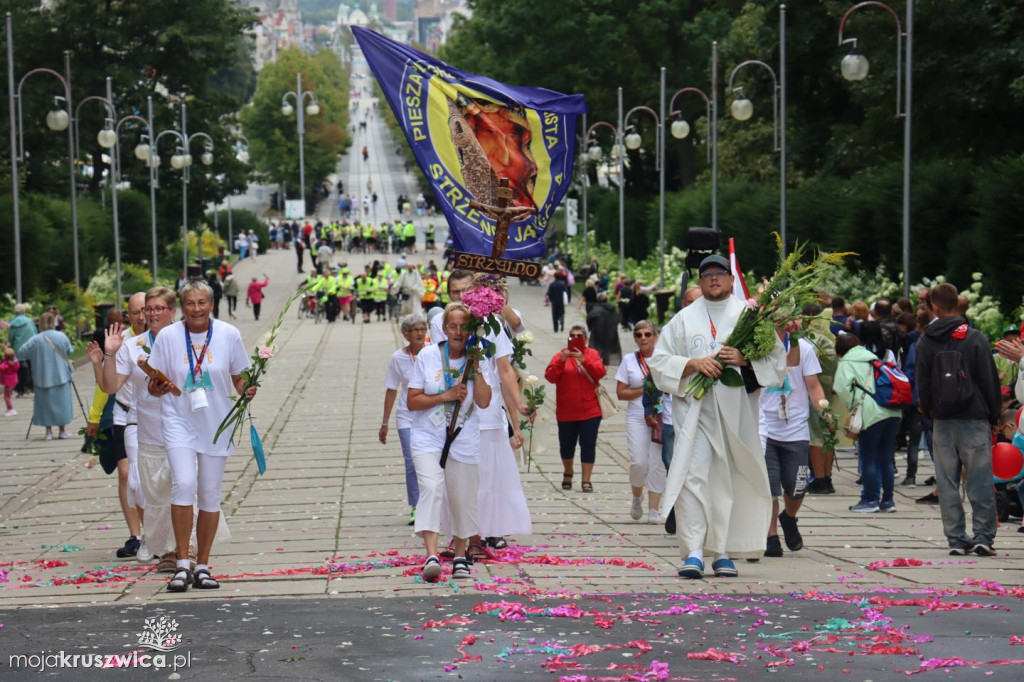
x=717 y=482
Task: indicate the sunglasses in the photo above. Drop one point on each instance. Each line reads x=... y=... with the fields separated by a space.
x=643 y=335
x=709 y=274
x=576 y=336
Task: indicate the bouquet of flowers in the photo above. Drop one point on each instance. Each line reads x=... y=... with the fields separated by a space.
x=484 y=303
x=534 y=395
x=828 y=422
x=260 y=357
x=778 y=303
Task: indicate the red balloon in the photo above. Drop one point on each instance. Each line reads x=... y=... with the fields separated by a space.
x=1018 y=417
x=1007 y=461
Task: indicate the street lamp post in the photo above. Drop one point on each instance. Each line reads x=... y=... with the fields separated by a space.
x=621 y=152
x=742 y=109
x=108 y=139
x=680 y=129
x=182 y=160
x=592 y=152
x=633 y=142
x=313 y=108
x=246 y=161
x=57 y=120
x=855 y=67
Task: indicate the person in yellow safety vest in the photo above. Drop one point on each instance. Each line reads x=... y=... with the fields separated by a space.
x=312 y=254
x=311 y=279
x=429 y=293
x=430 y=237
x=364 y=290
x=442 y=293
x=346 y=291
x=409 y=232
x=368 y=239
x=380 y=295
x=331 y=297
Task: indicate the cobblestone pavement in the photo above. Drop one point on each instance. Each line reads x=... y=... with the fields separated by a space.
x=327 y=528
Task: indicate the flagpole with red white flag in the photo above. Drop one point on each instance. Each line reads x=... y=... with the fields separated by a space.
x=739 y=285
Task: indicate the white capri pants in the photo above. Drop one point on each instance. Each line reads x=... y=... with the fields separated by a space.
x=136 y=496
x=196 y=475
x=457 y=486
x=646 y=470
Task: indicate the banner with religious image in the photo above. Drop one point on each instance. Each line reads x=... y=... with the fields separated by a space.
x=469 y=133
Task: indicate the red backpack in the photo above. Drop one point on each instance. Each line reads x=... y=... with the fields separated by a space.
x=892 y=387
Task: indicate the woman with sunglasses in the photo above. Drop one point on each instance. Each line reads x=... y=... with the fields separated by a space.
x=574 y=371
x=154 y=471
x=646 y=469
x=396 y=382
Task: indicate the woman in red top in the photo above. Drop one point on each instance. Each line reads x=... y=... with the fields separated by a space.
x=254 y=294
x=576 y=407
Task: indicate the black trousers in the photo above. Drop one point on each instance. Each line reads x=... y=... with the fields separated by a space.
x=256 y=309
x=585 y=432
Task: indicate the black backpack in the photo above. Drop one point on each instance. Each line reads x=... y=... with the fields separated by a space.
x=952 y=388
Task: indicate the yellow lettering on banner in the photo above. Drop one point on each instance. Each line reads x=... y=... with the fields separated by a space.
x=413 y=110
x=436 y=171
x=550 y=129
x=524 y=232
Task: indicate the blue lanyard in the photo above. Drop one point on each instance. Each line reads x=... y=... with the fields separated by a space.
x=192 y=364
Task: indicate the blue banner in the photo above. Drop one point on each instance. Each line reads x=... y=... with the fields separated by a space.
x=467 y=131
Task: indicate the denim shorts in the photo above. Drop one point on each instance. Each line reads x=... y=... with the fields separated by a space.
x=787 y=464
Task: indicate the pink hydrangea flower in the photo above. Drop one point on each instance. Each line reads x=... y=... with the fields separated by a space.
x=483 y=302
x=266 y=352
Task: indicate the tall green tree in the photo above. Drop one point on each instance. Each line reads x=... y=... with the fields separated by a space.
x=192 y=51
x=273 y=136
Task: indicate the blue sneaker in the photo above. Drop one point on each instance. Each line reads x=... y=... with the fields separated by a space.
x=693 y=569
x=865 y=507
x=887 y=507
x=725 y=568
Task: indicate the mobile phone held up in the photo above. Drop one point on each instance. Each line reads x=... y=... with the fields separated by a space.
x=577 y=344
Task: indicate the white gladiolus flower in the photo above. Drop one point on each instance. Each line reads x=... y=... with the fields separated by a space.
x=526 y=337
x=532 y=379
x=823 y=404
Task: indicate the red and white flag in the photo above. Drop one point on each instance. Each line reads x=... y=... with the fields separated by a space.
x=739 y=285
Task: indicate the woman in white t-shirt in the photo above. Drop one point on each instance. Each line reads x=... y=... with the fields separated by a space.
x=154 y=474
x=434 y=389
x=646 y=469
x=205 y=359
x=396 y=382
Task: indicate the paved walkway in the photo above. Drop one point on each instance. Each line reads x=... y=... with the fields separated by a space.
x=329 y=517
x=328 y=522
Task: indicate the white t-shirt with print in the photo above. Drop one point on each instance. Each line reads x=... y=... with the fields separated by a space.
x=493 y=416
x=798 y=408
x=145 y=407
x=631 y=374
x=225 y=356
x=429 y=426
x=397 y=379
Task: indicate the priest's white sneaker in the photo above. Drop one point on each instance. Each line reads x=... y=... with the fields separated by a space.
x=144 y=555
x=654 y=517
x=636 y=512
